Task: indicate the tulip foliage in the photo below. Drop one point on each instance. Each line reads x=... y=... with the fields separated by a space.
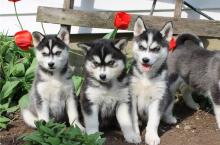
x=16 y=74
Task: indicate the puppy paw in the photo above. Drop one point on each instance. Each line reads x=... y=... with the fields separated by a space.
x=152 y=139
x=170 y=120
x=193 y=105
x=132 y=138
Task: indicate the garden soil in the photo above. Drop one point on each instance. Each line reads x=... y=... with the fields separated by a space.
x=193 y=128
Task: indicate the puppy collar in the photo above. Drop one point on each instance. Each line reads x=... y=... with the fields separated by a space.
x=172 y=44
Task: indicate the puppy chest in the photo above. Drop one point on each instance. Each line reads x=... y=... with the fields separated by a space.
x=107 y=99
x=147 y=89
x=54 y=91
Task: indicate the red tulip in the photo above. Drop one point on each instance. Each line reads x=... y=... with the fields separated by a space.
x=14 y=0
x=23 y=39
x=122 y=20
x=172 y=44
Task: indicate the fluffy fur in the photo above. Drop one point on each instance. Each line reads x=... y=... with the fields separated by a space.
x=197 y=68
x=148 y=83
x=52 y=94
x=105 y=92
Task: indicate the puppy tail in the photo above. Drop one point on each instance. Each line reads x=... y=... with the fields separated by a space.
x=29 y=117
x=182 y=38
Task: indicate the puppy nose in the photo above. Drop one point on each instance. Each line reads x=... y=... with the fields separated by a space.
x=50 y=64
x=102 y=76
x=145 y=60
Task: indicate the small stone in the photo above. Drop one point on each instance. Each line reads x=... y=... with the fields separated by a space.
x=177 y=126
x=187 y=127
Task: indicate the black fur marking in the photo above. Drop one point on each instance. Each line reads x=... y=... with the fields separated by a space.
x=65 y=68
x=103 y=48
x=215 y=92
x=55 y=41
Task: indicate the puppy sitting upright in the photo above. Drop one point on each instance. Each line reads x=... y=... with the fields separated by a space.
x=198 y=68
x=148 y=81
x=106 y=91
x=52 y=91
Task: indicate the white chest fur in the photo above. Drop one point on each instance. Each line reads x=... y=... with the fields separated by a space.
x=54 y=91
x=147 y=90
x=107 y=98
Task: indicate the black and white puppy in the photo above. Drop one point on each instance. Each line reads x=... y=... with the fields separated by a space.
x=198 y=68
x=52 y=93
x=148 y=83
x=106 y=91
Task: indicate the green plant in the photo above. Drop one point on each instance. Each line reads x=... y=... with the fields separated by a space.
x=58 y=134
x=16 y=75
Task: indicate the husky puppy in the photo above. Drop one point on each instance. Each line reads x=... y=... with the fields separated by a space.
x=148 y=83
x=52 y=94
x=106 y=91
x=197 y=67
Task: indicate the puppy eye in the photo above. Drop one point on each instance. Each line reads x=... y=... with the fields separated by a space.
x=95 y=63
x=111 y=63
x=141 y=47
x=156 y=49
x=58 y=53
x=45 y=54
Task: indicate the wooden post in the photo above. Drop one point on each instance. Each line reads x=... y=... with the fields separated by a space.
x=68 y=4
x=178 y=8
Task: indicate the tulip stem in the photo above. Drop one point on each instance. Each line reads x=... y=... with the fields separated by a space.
x=16 y=13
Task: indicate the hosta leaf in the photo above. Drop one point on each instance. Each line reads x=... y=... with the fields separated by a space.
x=4 y=119
x=12 y=109
x=30 y=71
x=24 y=101
x=8 y=89
x=3 y=125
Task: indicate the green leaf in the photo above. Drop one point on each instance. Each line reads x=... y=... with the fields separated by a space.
x=34 y=137
x=78 y=82
x=8 y=89
x=24 y=101
x=53 y=140
x=12 y=109
x=30 y=71
x=18 y=70
x=111 y=35
x=4 y=119
x=3 y=125
x=26 y=62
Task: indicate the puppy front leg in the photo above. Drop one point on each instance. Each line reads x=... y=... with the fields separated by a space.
x=124 y=118
x=217 y=113
x=151 y=136
x=43 y=111
x=135 y=115
x=72 y=112
x=91 y=120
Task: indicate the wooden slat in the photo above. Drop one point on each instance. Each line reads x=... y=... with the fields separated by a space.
x=105 y=20
x=68 y=4
x=178 y=8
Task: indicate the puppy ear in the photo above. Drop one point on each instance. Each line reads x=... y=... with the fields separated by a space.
x=167 y=31
x=85 y=46
x=37 y=37
x=139 y=26
x=63 y=34
x=120 y=43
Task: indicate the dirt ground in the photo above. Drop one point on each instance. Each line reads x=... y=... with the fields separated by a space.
x=193 y=128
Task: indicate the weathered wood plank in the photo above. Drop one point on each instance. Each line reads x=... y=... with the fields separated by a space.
x=178 y=8
x=68 y=4
x=105 y=20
